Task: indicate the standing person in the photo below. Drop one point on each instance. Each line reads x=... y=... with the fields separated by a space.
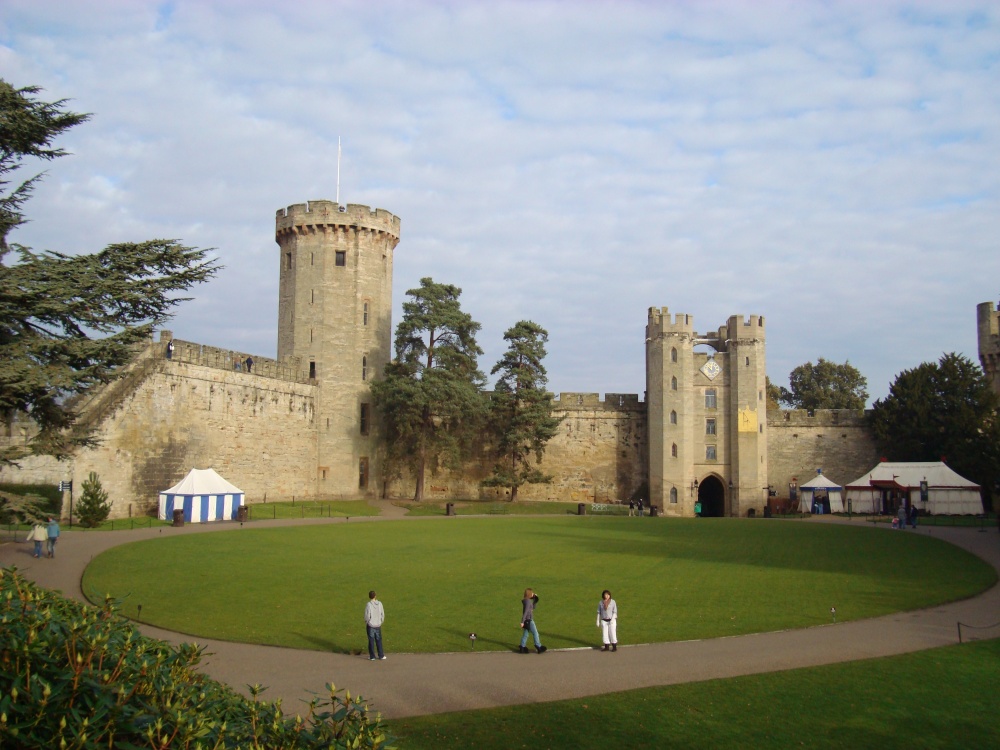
x=37 y=535
x=528 y=605
x=170 y=349
x=607 y=620
x=631 y=507
x=902 y=515
x=640 y=507
x=249 y=363
x=913 y=516
x=374 y=617
x=53 y=536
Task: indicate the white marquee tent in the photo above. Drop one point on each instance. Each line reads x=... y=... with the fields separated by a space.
x=948 y=493
x=815 y=489
x=203 y=496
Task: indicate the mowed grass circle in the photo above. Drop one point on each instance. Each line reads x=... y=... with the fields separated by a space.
x=306 y=587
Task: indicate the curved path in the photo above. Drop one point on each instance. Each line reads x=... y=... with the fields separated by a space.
x=414 y=684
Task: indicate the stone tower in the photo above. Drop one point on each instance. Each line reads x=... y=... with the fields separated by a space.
x=335 y=315
x=707 y=416
x=989 y=341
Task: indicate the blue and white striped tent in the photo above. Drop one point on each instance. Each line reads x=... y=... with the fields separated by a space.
x=203 y=496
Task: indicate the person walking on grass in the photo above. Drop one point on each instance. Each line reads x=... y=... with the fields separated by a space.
x=528 y=605
x=374 y=617
x=607 y=621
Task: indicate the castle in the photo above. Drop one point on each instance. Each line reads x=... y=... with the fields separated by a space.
x=302 y=425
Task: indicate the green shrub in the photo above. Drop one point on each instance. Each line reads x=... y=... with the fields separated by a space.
x=78 y=676
x=93 y=507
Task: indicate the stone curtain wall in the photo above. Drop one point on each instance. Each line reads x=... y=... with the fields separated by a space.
x=599 y=455
x=835 y=440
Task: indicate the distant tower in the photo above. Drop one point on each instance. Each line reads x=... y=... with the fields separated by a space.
x=335 y=315
x=989 y=341
x=707 y=415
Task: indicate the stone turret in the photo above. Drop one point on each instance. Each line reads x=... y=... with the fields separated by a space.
x=988 y=319
x=335 y=315
x=707 y=415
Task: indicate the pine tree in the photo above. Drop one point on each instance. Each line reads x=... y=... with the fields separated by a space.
x=430 y=397
x=93 y=507
x=521 y=410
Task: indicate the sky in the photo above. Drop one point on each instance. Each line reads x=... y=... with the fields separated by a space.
x=833 y=166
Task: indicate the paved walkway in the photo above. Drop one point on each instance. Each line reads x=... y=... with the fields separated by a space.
x=415 y=684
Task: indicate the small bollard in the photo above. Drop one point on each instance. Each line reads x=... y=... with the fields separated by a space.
x=449 y=509
x=581 y=509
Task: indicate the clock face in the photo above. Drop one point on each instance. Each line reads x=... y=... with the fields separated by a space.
x=711 y=369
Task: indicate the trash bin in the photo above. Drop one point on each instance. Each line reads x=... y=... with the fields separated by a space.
x=449 y=509
x=654 y=511
x=242 y=513
x=178 y=518
x=697 y=509
x=767 y=512
x=581 y=509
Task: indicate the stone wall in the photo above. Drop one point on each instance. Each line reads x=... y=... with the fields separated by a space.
x=599 y=454
x=837 y=441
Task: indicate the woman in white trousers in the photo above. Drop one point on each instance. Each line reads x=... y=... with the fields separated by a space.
x=607 y=621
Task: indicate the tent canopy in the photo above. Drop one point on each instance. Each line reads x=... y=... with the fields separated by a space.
x=808 y=502
x=820 y=482
x=947 y=491
x=202 y=496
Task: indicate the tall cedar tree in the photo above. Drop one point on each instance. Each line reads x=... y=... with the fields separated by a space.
x=521 y=410
x=68 y=323
x=826 y=385
x=943 y=411
x=430 y=396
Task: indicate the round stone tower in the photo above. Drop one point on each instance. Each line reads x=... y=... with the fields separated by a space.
x=988 y=319
x=335 y=316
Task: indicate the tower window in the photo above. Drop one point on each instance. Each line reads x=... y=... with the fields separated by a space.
x=363 y=473
x=673 y=450
x=673 y=417
x=673 y=495
x=288 y=260
x=748 y=361
x=673 y=355
x=710 y=398
x=341 y=258
x=312 y=259
x=312 y=370
x=365 y=314
x=709 y=452
x=709 y=426
x=364 y=368
x=365 y=418
x=673 y=384
x=312 y=296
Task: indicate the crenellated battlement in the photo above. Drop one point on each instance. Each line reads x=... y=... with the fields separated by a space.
x=323 y=216
x=741 y=327
x=660 y=322
x=593 y=402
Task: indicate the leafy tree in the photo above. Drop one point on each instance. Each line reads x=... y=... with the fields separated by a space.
x=93 y=507
x=430 y=396
x=68 y=323
x=521 y=409
x=942 y=411
x=773 y=393
x=825 y=385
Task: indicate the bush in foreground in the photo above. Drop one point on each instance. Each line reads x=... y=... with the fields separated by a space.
x=78 y=676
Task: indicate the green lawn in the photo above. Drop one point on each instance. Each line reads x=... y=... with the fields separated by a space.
x=439 y=580
x=942 y=698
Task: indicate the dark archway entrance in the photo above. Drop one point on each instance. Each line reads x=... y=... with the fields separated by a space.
x=712 y=496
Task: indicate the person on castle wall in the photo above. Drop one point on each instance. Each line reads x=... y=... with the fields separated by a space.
x=52 y=536
x=374 y=617
x=528 y=604
x=631 y=507
x=170 y=349
x=249 y=363
x=37 y=535
x=607 y=621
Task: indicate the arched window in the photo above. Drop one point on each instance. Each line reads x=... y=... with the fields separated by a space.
x=673 y=384
x=673 y=494
x=673 y=450
x=673 y=417
x=673 y=354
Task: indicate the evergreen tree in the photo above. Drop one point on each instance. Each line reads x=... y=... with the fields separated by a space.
x=93 y=507
x=68 y=323
x=521 y=410
x=826 y=385
x=430 y=396
x=943 y=411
